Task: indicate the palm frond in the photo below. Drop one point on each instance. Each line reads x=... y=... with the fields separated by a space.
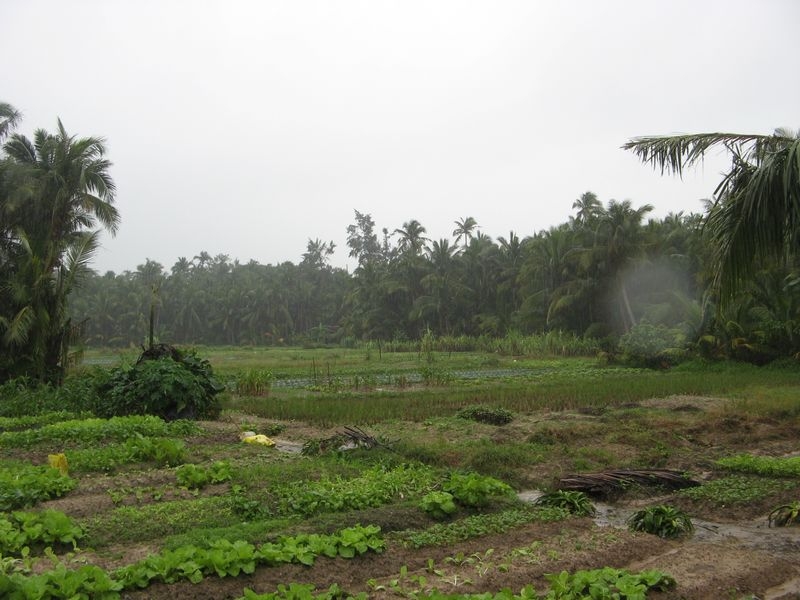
x=757 y=214
x=9 y=118
x=78 y=257
x=673 y=154
x=19 y=328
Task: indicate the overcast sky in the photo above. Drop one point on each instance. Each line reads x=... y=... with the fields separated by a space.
x=248 y=127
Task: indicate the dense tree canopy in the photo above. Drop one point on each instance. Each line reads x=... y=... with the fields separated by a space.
x=54 y=190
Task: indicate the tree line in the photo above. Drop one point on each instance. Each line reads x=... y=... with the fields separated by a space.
x=609 y=271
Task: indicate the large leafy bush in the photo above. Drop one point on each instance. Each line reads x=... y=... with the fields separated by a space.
x=173 y=385
x=648 y=345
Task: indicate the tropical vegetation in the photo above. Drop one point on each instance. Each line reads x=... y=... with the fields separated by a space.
x=644 y=289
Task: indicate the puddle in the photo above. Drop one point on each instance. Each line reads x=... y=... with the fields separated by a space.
x=756 y=535
x=783 y=542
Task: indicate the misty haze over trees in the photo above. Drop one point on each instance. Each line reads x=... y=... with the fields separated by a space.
x=723 y=284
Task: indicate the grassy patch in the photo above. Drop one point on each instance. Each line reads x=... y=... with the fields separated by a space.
x=478 y=525
x=736 y=489
x=129 y=524
x=762 y=465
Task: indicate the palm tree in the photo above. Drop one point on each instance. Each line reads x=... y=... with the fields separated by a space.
x=589 y=208
x=442 y=290
x=464 y=229
x=412 y=239
x=619 y=242
x=68 y=191
x=9 y=119
x=756 y=212
x=318 y=253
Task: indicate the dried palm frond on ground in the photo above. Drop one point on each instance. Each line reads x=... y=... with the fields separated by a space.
x=621 y=479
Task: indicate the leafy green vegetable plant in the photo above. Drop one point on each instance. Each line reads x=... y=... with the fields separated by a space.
x=607 y=583
x=27 y=485
x=375 y=487
x=439 y=505
x=90 y=431
x=88 y=581
x=195 y=476
x=662 y=520
x=577 y=503
x=20 y=530
x=223 y=557
x=164 y=452
x=474 y=490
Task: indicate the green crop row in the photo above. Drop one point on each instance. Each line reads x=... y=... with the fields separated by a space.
x=196 y=477
x=375 y=487
x=20 y=530
x=94 y=430
x=137 y=448
x=26 y=485
x=762 y=465
x=443 y=534
x=222 y=558
x=567 y=390
x=602 y=584
x=27 y=422
x=303 y=591
x=736 y=489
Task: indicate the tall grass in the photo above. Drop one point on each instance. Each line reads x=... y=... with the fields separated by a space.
x=552 y=343
x=569 y=392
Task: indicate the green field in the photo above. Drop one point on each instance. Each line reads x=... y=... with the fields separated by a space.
x=187 y=510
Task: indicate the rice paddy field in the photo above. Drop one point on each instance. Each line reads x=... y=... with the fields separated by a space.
x=335 y=473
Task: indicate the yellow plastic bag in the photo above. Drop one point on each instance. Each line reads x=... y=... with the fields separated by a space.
x=58 y=461
x=258 y=439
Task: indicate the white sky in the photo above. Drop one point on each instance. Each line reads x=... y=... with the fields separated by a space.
x=246 y=127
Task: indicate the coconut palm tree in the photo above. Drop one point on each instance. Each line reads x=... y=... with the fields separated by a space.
x=464 y=229
x=589 y=208
x=67 y=191
x=756 y=210
x=619 y=242
x=412 y=237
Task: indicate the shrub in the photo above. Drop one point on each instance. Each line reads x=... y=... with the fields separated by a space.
x=173 y=389
x=648 y=345
x=486 y=414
